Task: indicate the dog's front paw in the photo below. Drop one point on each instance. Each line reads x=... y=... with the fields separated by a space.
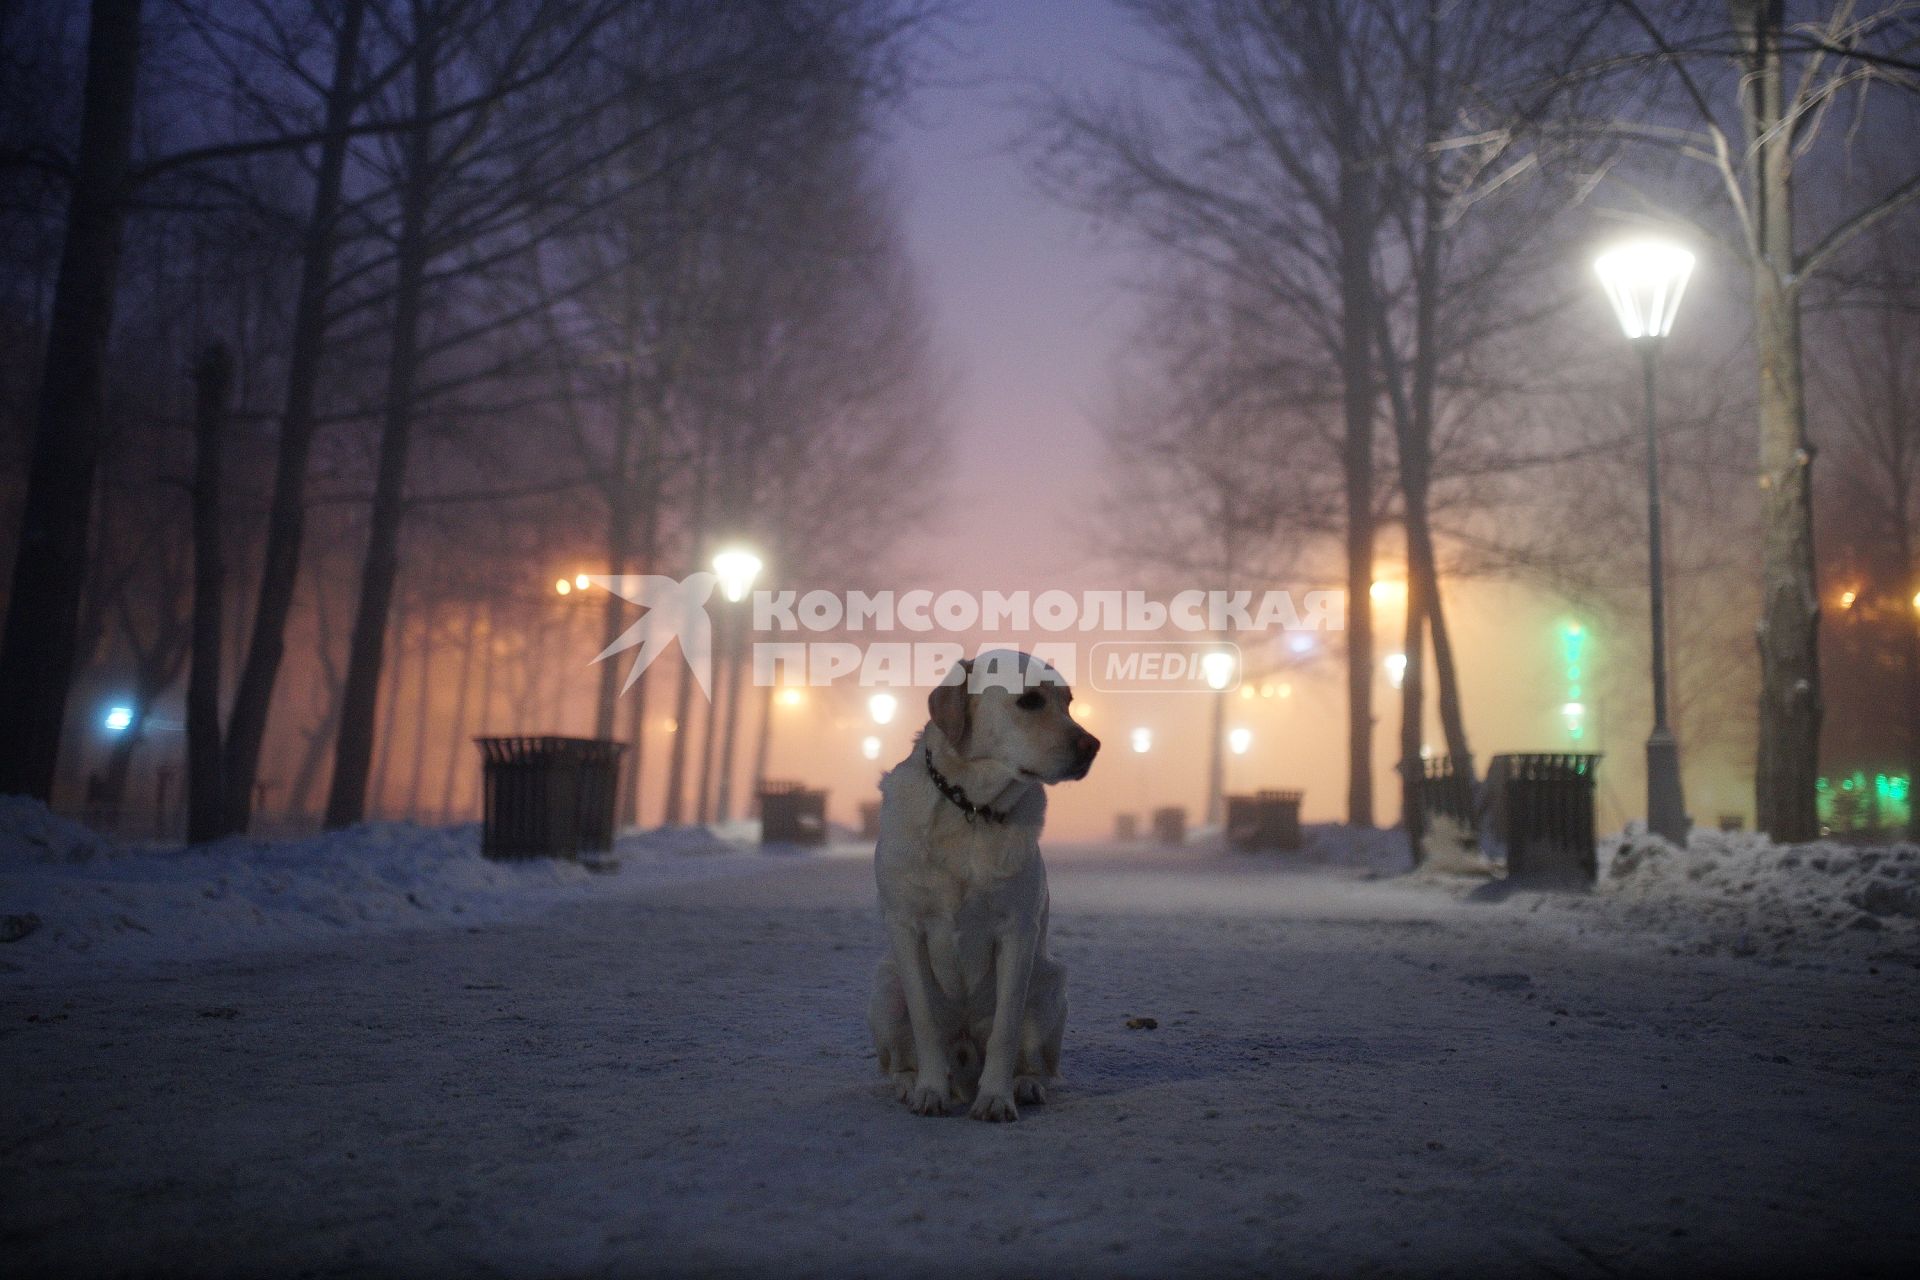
x=995 y=1105
x=927 y=1098
x=1028 y=1089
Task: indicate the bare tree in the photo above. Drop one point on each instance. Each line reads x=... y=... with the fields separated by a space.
x=38 y=648
x=1785 y=84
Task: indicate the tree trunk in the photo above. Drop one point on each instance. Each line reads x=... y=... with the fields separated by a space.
x=423 y=702
x=206 y=791
x=286 y=512
x=37 y=652
x=709 y=735
x=353 y=750
x=455 y=745
x=1357 y=302
x=683 y=694
x=1413 y=710
x=393 y=681
x=762 y=745
x=1788 y=762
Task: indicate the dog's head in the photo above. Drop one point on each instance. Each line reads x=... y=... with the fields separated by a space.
x=1013 y=709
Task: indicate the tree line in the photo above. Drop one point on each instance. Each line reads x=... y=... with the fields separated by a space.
x=341 y=322
x=1372 y=218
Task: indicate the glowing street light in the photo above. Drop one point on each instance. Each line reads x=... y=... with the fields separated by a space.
x=1141 y=740
x=737 y=567
x=1644 y=281
x=1219 y=667
x=118 y=719
x=1396 y=665
x=870 y=748
x=1387 y=591
x=791 y=696
x=1240 y=741
x=882 y=707
x=562 y=587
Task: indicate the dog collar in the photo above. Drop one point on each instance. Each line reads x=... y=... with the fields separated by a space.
x=959 y=797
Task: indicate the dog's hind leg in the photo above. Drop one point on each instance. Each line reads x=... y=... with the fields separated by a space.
x=1041 y=1030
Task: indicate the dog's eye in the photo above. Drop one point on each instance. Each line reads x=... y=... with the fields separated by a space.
x=1030 y=702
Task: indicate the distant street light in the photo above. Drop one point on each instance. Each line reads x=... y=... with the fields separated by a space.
x=581 y=581
x=118 y=719
x=1142 y=741
x=1219 y=667
x=1396 y=665
x=736 y=567
x=1239 y=741
x=882 y=707
x=1644 y=281
x=870 y=748
x=1387 y=591
x=562 y=587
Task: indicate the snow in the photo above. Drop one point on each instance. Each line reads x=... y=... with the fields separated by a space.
x=663 y=1070
x=74 y=900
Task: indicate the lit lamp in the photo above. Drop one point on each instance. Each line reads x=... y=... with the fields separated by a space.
x=1644 y=281
x=1219 y=667
x=1396 y=665
x=1142 y=741
x=870 y=747
x=1240 y=741
x=882 y=707
x=736 y=568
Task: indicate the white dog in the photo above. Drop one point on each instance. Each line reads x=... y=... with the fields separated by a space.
x=967 y=1006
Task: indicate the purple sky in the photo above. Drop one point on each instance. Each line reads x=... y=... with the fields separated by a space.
x=1028 y=306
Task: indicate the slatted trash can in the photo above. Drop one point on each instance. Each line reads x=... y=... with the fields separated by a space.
x=791 y=813
x=1264 y=820
x=547 y=797
x=1541 y=810
x=1170 y=825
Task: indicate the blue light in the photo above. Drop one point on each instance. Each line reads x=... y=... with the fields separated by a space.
x=118 y=719
x=1300 y=644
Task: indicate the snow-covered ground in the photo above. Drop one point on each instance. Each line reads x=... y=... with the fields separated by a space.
x=379 y=1053
x=73 y=901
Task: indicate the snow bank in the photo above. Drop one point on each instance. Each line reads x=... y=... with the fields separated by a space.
x=1741 y=892
x=68 y=895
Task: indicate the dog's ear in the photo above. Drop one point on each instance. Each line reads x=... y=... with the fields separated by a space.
x=950 y=706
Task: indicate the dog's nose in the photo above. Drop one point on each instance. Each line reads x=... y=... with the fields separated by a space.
x=1086 y=746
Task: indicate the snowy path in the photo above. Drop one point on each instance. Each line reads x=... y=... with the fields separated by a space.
x=1346 y=1077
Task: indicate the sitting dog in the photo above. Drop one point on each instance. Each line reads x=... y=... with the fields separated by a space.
x=967 y=1006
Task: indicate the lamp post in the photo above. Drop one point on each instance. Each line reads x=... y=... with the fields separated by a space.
x=1645 y=280
x=1221 y=670
x=736 y=568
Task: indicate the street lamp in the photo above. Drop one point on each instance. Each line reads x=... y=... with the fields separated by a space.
x=736 y=568
x=1239 y=741
x=1644 y=281
x=870 y=747
x=882 y=707
x=1142 y=741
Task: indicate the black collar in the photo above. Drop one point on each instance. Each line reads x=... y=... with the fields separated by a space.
x=959 y=797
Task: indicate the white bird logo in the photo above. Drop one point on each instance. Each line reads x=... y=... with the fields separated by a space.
x=673 y=610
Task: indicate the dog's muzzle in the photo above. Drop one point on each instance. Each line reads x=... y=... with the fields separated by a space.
x=1085 y=748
